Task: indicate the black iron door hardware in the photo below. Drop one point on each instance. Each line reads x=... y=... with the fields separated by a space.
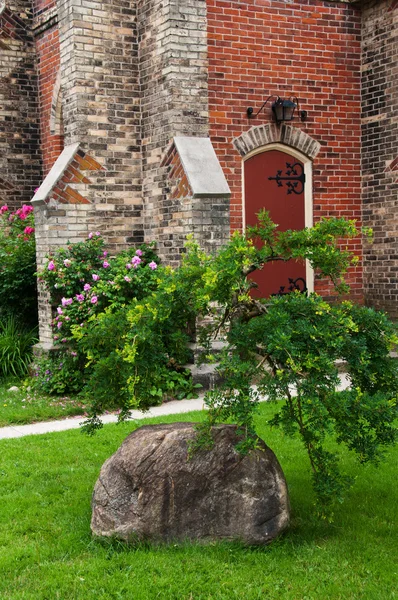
x=294 y=176
x=298 y=285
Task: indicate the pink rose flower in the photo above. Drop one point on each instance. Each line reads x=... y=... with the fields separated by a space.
x=95 y=277
x=135 y=261
x=59 y=310
x=152 y=265
x=29 y=230
x=51 y=266
x=105 y=264
x=139 y=252
x=59 y=324
x=127 y=278
x=87 y=287
x=94 y=300
x=90 y=235
x=67 y=262
x=80 y=297
x=3 y=209
x=128 y=266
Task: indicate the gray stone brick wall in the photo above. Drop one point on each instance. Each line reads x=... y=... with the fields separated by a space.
x=101 y=108
x=20 y=163
x=174 y=101
x=380 y=151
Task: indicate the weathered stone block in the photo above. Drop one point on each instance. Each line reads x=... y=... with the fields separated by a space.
x=150 y=489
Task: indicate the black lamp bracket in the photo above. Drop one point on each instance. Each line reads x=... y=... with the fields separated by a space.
x=303 y=113
x=250 y=110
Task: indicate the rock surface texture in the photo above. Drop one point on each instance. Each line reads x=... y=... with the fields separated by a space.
x=149 y=489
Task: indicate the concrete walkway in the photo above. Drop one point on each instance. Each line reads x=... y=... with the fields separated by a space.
x=169 y=408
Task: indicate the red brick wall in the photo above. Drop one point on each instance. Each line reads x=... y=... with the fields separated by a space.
x=47 y=48
x=310 y=49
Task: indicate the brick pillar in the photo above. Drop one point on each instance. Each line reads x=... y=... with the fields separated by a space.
x=380 y=152
x=100 y=99
x=20 y=163
x=174 y=102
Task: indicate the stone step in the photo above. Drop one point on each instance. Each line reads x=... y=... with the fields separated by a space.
x=206 y=375
x=198 y=351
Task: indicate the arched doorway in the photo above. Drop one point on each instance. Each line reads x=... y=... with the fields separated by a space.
x=279 y=179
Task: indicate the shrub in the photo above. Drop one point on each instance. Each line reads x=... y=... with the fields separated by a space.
x=134 y=339
x=15 y=347
x=97 y=296
x=287 y=345
x=59 y=375
x=18 y=284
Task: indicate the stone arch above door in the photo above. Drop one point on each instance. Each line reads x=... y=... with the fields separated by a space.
x=263 y=135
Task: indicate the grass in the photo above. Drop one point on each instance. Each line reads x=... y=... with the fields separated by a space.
x=18 y=408
x=47 y=553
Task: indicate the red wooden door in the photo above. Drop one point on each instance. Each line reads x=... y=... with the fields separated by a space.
x=274 y=181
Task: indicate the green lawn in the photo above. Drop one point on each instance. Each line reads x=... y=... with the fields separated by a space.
x=18 y=408
x=47 y=553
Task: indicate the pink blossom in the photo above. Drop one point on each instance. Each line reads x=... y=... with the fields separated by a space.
x=128 y=266
x=29 y=230
x=105 y=264
x=127 y=278
x=105 y=253
x=59 y=310
x=3 y=209
x=87 y=287
x=97 y=233
x=23 y=212
x=51 y=266
x=135 y=261
x=73 y=353
x=59 y=324
x=94 y=300
x=80 y=297
x=152 y=265
x=95 y=277
x=139 y=252
x=66 y=301
x=90 y=235
x=67 y=262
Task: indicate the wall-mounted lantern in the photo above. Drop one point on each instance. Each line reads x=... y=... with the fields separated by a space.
x=283 y=110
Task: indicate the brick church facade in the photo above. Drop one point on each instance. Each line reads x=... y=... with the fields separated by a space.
x=100 y=102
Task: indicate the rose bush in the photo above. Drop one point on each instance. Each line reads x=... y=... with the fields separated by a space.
x=93 y=295
x=18 y=284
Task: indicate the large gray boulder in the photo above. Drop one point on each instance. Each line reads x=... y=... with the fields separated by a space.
x=150 y=489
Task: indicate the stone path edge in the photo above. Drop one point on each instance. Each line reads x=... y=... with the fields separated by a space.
x=169 y=408
x=174 y=407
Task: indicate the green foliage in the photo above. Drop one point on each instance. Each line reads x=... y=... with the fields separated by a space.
x=16 y=343
x=288 y=346
x=18 y=285
x=99 y=300
x=59 y=375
